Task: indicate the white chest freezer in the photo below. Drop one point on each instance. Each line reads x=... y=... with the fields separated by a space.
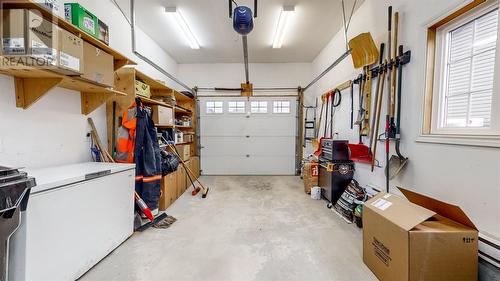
x=76 y=215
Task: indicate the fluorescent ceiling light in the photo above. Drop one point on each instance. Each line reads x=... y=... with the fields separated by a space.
x=279 y=35
x=181 y=22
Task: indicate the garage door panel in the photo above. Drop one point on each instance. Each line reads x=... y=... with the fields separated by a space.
x=226 y=146
x=242 y=126
x=234 y=165
x=247 y=143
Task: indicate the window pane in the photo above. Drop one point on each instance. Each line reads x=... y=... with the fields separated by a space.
x=470 y=73
x=236 y=107
x=459 y=77
x=281 y=107
x=214 y=107
x=456 y=111
x=258 y=106
x=480 y=109
x=486 y=32
x=461 y=42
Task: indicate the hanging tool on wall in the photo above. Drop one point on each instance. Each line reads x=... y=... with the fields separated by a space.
x=392 y=113
x=360 y=152
x=398 y=161
x=389 y=100
x=378 y=110
x=368 y=101
x=352 y=105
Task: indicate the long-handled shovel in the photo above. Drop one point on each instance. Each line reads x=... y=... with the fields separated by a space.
x=397 y=162
x=378 y=104
x=392 y=113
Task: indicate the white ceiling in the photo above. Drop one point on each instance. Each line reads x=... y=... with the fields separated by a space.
x=313 y=25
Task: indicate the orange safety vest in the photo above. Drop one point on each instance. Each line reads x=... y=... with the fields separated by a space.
x=126 y=136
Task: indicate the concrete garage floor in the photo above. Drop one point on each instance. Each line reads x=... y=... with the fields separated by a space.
x=249 y=228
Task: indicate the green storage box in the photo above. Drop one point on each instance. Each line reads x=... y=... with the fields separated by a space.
x=82 y=18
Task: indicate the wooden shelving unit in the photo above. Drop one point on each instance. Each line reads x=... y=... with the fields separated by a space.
x=33 y=83
x=119 y=59
x=125 y=82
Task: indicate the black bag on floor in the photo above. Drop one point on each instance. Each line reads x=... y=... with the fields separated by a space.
x=350 y=199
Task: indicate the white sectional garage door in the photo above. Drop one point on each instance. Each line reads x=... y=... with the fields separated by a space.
x=242 y=136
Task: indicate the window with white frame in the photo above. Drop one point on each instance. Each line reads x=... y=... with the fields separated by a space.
x=236 y=107
x=215 y=107
x=258 y=107
x=281 y=107
x=465 y=82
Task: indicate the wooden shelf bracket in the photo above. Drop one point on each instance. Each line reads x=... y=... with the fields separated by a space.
x=30 y=90
x=91 y=101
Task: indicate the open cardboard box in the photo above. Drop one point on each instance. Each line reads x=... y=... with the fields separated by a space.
x=419 y=239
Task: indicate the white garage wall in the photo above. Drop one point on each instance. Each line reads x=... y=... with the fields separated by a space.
x=466 y=176
x=231 y=75
x=53 y=131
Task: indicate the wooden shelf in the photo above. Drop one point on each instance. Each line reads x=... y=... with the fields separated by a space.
x=156 y=86
x=119 y=59
x=164 y=126
x=183 y=127
x=183 y=143
x=33 y=83
x=180 y=97
x=148 y=101
x=181 y=110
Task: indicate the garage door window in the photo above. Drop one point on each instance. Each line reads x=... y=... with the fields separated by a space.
x=259 y=107
x=281 y=107
x=215 y=107
x=236 y=107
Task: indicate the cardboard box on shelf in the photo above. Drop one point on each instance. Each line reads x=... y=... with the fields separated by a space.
x=424 y=239
x=184 y=151
x=162 y=115
x=82 y=18
x=70 y=60
x=27 y=33
x=188 y=138
x=102 y=32
x=142 y=89
x=98 y=66
x=51 y=5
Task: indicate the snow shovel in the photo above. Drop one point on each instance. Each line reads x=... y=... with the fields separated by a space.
x=397 y=162
x=364 y=54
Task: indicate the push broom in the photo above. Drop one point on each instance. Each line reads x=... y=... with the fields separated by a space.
x=189 y=172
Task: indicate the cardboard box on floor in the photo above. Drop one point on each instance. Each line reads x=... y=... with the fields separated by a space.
x=424 y=239
x=310 y=175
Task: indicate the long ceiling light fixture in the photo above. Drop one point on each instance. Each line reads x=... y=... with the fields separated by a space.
x=279 y=35
x=181 y=22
